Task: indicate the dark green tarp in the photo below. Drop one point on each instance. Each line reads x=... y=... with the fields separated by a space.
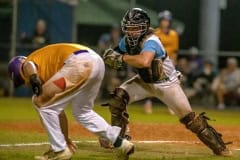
x=106 y=12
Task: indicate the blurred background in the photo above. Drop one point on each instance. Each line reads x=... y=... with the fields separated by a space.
x=207 y=48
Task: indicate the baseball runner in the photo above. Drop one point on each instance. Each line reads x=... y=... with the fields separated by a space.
x=156 y=77
x=59 y=74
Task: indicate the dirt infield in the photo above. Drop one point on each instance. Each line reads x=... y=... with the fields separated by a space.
x=139 y=131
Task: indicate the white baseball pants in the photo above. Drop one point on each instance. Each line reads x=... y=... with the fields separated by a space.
x=82 y=103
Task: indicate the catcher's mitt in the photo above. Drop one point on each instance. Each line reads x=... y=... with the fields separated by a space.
x=113 y=59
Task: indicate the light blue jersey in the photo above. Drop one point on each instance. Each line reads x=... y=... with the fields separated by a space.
x=152 y=44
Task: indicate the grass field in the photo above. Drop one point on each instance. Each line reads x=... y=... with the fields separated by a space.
x=28 y=130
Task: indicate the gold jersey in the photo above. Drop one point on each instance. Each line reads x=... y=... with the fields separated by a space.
x=51 y=58
x=170 y=42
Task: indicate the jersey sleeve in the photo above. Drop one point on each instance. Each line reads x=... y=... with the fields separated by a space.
x=153 y=46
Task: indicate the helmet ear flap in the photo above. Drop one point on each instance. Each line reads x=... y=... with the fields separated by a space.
x=14 y=69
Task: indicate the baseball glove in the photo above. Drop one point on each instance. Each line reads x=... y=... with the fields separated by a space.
x=113 y=59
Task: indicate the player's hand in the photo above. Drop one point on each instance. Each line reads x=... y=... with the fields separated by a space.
x=71 y=145
x=36 y=84
x=113 y=59
x=105 y=143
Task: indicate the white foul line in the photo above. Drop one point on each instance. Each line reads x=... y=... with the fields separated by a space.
x=45 y=143
x=93 y=141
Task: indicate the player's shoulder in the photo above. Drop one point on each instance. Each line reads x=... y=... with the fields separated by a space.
x=153 y=40
x=152 y=37
x=172 y=32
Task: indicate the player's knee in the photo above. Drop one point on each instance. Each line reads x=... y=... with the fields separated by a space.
x=119 y=100
x=188 y=118
x=40 y=101
x=194 y=122
x=118 y=108
x=80 y=111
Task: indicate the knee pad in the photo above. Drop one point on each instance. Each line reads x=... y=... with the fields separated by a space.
x=118 y=108
x=119 y=99
x=196 y=126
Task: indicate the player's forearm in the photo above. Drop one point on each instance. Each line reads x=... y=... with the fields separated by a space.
x=31 y=77
x=64 y=124
x=29 y=69
x=137 y=61
x=64 y=127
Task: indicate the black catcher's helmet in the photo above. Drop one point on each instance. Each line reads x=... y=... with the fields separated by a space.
x=135 y=25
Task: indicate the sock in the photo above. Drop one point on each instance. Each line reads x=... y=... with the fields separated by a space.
x=118 y=142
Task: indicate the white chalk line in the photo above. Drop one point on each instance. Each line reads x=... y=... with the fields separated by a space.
x=93 y=141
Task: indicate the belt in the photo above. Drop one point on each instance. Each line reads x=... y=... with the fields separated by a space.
x=80 y=51
x=162 y=80
x=77 y=53
x=158 y=81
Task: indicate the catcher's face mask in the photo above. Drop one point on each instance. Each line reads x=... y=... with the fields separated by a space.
x=134 y=32
x=135 y=25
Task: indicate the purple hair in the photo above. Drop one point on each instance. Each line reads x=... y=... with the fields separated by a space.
x=14 y=70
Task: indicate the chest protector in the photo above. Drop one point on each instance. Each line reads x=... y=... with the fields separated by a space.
x=153 y=74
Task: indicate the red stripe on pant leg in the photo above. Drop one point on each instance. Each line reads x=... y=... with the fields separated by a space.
x=60 y=83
